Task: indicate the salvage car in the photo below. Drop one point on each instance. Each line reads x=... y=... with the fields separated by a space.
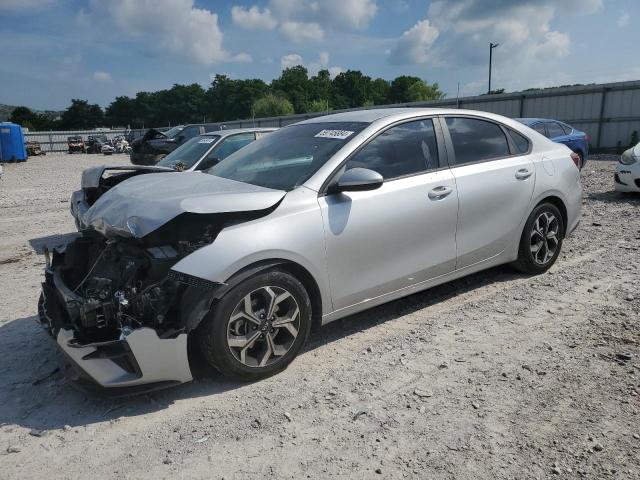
x=155 y=145
x=627 y=176
x=309 y=224
x=108 y=149
x=95 y=143
x=195 y=155
x=75 y=143
x=207 y=150
x=33 y=148
x=560 y=132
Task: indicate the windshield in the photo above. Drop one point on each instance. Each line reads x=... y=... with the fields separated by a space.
x=186 y=155
x=172 y=132
x=288 y=157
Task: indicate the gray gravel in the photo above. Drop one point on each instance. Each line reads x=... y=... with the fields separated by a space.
x=494 y=376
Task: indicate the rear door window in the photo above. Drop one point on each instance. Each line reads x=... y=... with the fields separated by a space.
x=232 y=144
x=406 y=149
x=476 y=140
x=555 y=130
x=539 y=127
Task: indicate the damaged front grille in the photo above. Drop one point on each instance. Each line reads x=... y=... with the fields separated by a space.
x=102 y=288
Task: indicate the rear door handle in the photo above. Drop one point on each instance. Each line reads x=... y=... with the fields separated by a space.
x=523 y=174
x=440 y=192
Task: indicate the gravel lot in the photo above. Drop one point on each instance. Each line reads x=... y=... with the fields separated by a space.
x=494 y=376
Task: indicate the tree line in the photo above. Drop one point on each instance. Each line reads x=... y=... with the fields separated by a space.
x=294 y=91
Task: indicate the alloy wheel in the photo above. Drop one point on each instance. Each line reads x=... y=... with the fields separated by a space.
x=545 y=238
x=263 y=326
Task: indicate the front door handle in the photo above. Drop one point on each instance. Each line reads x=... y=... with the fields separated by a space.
x=440 y=192
x=523 y=174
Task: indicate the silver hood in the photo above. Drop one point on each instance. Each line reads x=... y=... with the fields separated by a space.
x=142 y=204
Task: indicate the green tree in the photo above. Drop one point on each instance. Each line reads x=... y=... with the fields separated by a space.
x=229 y=99
x=272 y=106
x=399 y=90
x=380 y=89
x=320 y=86
x=420 y=91
x=318 y=106
x=351 y=89
x=81 y=115
x=293 y=83
x=27 y=118
x=123 y=111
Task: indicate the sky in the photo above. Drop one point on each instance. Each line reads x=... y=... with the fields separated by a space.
x=56 y=50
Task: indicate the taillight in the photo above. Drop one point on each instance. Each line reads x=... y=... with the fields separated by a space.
x=576 y=159
x=586 y=137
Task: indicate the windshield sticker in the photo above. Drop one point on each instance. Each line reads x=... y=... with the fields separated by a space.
x=339 y=134
x=206 y=140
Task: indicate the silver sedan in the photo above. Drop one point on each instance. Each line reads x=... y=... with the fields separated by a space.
x=314 y=222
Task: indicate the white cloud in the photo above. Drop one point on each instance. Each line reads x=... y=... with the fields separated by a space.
x=335 y=71
x=300 y=32
x=291 y=60
x=253 y=18
x=168 y=26
x=348 y=13
x=623 y=19
x=415 y=44
x=24 y=5
x=455 y=36
x=241 y=58
x=554 y=44
x=102 y=76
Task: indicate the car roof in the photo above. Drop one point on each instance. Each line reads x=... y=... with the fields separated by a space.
x=232 y=131
x=530 y=121
x=390 y=115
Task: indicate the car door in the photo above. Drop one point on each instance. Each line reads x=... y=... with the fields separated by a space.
x=494 y=174
x=400 y=234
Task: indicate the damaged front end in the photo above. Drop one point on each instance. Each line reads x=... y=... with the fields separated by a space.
x=119 y=312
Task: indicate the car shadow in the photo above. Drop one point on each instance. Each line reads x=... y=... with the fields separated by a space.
x=615 y=197
x=35 y=392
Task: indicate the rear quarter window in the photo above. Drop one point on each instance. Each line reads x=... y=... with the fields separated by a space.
x=520 y=141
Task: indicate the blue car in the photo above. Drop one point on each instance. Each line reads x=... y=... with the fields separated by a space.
x=560 y=132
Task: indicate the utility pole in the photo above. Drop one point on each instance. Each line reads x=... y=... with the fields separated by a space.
x=491 y=47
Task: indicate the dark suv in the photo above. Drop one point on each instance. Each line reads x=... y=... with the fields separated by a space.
x=155 y=145
x=95 y=142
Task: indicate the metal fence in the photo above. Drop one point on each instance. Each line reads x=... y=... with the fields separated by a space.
x=52 y=142
x=609 y=113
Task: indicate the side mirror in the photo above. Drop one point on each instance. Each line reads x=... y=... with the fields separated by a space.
x=359 y=180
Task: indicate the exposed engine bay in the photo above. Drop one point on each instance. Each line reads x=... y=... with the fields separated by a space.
x=113 y=286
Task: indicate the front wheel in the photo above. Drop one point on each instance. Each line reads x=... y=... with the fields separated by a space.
x=541 y=240
x=258 y=327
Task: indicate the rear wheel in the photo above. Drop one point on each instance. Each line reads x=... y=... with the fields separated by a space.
x=541 y=240
x=258 y=327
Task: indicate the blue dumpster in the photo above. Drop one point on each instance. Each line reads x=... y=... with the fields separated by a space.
x=12 y=147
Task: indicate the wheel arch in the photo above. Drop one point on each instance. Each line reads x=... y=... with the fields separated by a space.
x=560 y=205
x=293 y=268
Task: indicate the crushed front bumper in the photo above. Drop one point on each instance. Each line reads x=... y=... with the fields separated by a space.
x=139 y=361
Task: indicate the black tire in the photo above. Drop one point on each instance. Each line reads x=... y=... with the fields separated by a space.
x=527 y=261
x=212 y=332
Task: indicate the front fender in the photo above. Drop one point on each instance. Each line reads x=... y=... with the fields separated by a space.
x=293 y=232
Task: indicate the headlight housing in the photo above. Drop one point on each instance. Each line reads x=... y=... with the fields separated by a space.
x=628 y=157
